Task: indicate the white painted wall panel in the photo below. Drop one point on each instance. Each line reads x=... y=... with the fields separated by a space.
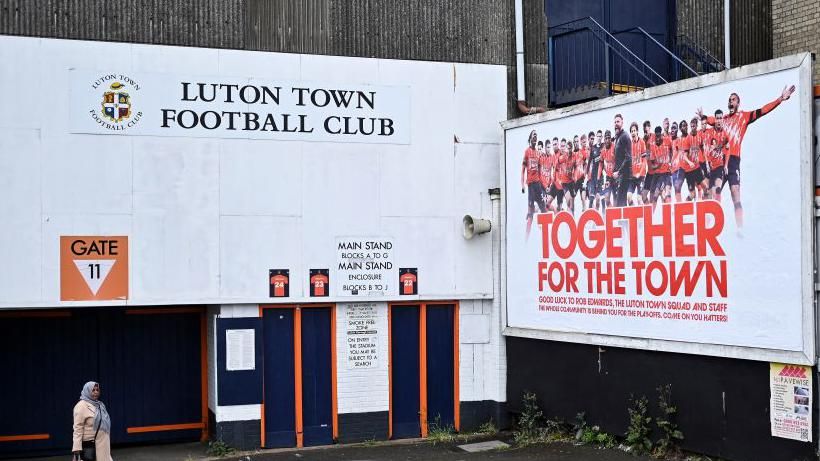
x=475 y=95
x=256 y=178
x=27 y=106
x=87 y=174
x=427 y=243
x=171 y=257
x=239 y=413
x=20 y=234
x=207 y=217
x=176 y=175
x=250 y=247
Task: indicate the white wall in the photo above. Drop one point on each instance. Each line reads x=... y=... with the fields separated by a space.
x=207 y=217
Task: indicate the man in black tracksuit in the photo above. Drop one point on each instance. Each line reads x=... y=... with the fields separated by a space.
x=623 y=162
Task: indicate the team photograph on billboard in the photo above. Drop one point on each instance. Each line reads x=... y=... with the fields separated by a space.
x=677 y=217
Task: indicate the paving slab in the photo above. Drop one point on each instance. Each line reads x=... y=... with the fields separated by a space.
x=483 y=446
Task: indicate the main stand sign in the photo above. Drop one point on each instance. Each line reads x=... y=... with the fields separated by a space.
x=364 y=267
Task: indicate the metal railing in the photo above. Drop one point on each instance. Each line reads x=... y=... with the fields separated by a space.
x=697 y=55
x=585 y=60
x=677 y=68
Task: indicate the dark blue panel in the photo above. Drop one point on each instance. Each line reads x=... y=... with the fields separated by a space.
x=317 y=410
x=559 y=12
x=280 y=398
x=147 y=365
x=238 y=387
x=440 y=371
x=150 y=373
x=45 y=362
x=404 y=360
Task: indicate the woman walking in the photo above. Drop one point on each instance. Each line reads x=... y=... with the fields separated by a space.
x=92 y=425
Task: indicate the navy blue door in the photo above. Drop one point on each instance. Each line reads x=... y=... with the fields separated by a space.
x=150 y=373
x=148 y=365
x=440 y=372
x=45 y=362
x=404 y=360
x=317 y=412
x=280 y=398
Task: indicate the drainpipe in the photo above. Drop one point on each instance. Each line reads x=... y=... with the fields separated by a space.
x=498 y=316
x=727 y=50
x=519 y=62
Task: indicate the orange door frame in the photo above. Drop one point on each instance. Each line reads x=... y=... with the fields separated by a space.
x=297 y=353
x=423 y=363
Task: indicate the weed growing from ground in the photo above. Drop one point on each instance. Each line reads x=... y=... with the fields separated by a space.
x=439 y=433
x=487 y=428
x=668 y=443
x=219 y=448
x=637 y=435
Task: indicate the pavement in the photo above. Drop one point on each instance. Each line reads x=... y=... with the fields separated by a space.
x=401 y=450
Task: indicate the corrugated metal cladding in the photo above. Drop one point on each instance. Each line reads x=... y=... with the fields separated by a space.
x=472 y=31
x=750 y=26
x=478 y=31
x=751 y=31
x=702 y=22
x=205 y=23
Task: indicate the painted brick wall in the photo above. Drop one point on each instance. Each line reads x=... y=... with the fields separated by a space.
x=482 y=360
x=794 y=29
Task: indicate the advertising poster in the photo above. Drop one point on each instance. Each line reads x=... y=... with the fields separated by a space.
x=791 y=404
x=673 y=218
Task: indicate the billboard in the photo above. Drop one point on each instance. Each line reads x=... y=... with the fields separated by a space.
x=678 y=218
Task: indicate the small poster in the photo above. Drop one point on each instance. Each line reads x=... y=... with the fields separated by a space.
x=279 y=283
x=240 y=350
x=362 y=335
x=791 y=405
x=319 y=283
x=408 y=281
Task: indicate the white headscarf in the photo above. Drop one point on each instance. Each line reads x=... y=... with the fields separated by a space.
x=101 y=421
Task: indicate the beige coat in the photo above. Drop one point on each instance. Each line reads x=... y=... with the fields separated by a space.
x=84 y=414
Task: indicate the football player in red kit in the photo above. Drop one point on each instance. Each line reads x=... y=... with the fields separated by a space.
x=639 y=166
x=531 y=179
x=660 y=166
x=735 y=123
x=606 y=172
x=716 y=141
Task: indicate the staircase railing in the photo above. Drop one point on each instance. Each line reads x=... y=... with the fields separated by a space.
x=679 y=70
x=606 y=64
x=699 y=56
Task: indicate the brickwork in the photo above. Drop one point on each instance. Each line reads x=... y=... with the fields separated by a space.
x=794 y=29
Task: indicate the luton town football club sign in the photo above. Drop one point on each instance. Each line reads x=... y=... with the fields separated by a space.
x=116 y=105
